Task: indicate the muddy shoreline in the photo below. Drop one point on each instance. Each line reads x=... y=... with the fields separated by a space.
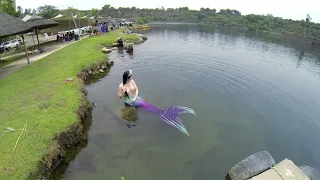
x=67 y=144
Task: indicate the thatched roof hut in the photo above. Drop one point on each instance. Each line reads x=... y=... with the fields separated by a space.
x=37 y=22
x=10 y=25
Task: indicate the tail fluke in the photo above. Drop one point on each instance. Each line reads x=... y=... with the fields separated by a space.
x=171 y=117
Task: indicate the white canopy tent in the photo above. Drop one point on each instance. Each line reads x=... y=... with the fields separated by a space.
x=78 y=22
x=58 y=16
x=26 y=18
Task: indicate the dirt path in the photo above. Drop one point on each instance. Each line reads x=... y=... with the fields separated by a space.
x=14 y=66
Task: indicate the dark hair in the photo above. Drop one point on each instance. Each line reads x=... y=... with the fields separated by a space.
x=125 y=77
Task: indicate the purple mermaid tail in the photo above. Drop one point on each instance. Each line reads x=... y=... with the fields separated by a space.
x=169 y=115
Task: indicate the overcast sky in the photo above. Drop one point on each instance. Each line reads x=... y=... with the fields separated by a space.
x=284 y=8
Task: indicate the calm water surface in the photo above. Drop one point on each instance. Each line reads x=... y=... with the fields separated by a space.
x=251 y=92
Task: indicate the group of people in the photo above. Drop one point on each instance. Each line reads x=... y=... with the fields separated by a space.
x=120 y=43
x=68 y=36
x=125 y=24
x=101 y=27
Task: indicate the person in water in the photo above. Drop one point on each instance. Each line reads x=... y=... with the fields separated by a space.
x=129 y=91
x=120 y=42
x=130 y=49
x=128 y=88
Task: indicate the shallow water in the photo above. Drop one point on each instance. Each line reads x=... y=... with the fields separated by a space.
x=250 y=91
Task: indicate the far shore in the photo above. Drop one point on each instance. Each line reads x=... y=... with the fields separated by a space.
x=296 y=37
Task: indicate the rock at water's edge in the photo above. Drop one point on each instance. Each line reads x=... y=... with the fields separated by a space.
x=111 y=63
x=106 y=50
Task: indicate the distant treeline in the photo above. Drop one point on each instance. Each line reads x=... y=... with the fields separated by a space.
x=224 y=17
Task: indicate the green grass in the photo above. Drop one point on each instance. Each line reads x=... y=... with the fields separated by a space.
x=37 y=94
x=11 y=59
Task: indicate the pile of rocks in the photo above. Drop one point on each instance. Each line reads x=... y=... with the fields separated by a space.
x=95 y=69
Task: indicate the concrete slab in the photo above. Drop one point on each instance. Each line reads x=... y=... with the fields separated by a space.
x=268 y=175
x=289 y=171
x=285 y=170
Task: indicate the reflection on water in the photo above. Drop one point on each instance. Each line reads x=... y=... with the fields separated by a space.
x=130 y=114
x=251 y=91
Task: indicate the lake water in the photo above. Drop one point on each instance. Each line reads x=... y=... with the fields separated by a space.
x=251 y=92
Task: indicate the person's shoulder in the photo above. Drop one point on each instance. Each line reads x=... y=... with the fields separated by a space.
x=132 y=81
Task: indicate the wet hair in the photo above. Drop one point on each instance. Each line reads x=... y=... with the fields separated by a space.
x=125 y=77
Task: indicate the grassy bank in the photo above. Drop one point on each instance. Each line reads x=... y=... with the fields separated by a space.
x=37 y=96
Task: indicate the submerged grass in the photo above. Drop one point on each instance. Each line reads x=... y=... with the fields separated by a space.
x=38 y=95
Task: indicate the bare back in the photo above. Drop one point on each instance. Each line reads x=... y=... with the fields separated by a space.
x=130 y=87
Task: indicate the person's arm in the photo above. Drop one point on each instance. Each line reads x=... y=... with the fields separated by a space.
x=120 y=92
x=137 y=90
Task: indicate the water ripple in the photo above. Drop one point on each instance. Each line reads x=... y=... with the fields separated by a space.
x=249 y=93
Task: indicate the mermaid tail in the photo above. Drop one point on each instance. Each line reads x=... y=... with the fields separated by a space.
x=169 y=115
x=139 y=102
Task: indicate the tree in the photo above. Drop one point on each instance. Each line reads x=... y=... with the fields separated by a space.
x=106 y=10
x=94 y=12
x=70 y=11
x=184 y=8
x=27 y=11
x=19 y=11
x=141 y=20
x=308 y=18
x=48 y=11
x=8 y=6
x=225 y=17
